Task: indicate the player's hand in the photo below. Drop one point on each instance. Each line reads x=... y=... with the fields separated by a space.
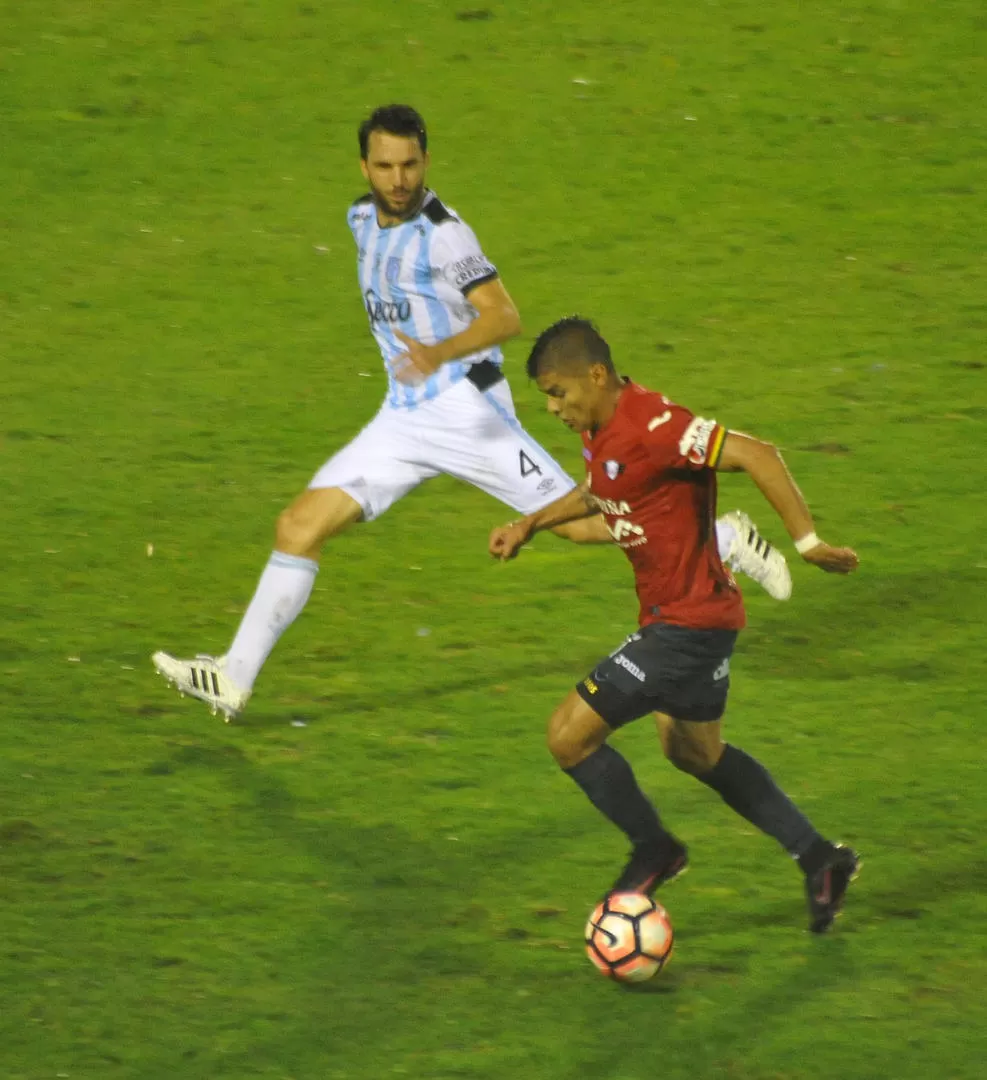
x=415 y=364
x=831 y=559
x=507 y=540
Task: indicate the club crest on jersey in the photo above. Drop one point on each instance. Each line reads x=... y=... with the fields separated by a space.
x=613 y=469
x=393 y=271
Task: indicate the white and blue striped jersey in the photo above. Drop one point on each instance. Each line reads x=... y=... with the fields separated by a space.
x=417 y=276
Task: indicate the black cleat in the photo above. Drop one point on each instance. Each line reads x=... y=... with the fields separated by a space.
x=826 y=887
x=651 y=865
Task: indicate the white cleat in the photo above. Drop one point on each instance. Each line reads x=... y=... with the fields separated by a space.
x=204 y=678
x=752 y=555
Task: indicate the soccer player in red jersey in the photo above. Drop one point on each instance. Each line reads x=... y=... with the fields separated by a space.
x=651 y=470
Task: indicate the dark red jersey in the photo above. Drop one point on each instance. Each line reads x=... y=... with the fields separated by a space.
x=651 y=472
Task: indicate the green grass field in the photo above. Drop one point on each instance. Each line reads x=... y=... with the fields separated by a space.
x=776 y=218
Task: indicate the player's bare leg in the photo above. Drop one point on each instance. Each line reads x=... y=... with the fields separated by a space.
x=694 y=748
x=313 y=518
x=226 y=682
x=748 y=789
x=577 y=739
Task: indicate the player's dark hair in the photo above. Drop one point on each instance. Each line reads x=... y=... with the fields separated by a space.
x=570 y=343
x=395 y=120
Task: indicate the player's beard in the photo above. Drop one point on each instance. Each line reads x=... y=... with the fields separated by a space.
x=402 y=211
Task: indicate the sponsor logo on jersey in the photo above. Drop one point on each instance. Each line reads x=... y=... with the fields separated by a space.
x=694 y=443
x=385 y=311
x=469 y=269
x=621 y=661
x=608 y=506
x=623 y=530
x=613 y=469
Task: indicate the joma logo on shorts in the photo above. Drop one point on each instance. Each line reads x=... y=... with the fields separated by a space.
x=626 y=664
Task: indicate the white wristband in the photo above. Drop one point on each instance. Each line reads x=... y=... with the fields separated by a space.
x=807 y=543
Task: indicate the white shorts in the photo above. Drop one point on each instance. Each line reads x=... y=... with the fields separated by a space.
x=472 y=435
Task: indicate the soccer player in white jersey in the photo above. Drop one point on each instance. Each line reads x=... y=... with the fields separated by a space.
x=439 y=313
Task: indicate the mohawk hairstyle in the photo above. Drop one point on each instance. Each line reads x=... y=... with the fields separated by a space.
x=395 y=120
x=571 y=343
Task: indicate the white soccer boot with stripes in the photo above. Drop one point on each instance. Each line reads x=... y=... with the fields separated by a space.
x=204 y=678
x=752 y=555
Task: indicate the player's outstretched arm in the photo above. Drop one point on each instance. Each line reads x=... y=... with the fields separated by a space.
x=765 y=466
x=497 y=321
x=507 y=540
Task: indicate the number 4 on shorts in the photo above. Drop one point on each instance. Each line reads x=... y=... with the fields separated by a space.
x=527 y=465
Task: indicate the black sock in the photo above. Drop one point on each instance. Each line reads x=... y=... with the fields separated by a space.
x=609 y=783
x=745 y=785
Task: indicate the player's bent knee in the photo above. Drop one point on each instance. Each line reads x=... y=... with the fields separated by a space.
x=574 y=732
x=694 y=758
x=687 y=762
x=292 y=533
x=568 y=754
x=312 y=518
x=561 y=745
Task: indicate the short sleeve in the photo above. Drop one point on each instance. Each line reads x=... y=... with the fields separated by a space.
x=677 y=439
x=460 y=258
x=358 y=215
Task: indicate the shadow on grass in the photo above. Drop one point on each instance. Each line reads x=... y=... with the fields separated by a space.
x=843 y=632
x=387 y=865
x=393 y=847
x=415 y=695
x=911 y=898
x=814 y=644
x=755 y=1012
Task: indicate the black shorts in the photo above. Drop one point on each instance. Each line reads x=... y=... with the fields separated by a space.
x=676 y=670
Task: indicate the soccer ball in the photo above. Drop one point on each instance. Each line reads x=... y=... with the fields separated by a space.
x=629 y=937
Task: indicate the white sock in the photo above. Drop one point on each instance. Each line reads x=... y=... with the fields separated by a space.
x=282 y=592
x=725 y=536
